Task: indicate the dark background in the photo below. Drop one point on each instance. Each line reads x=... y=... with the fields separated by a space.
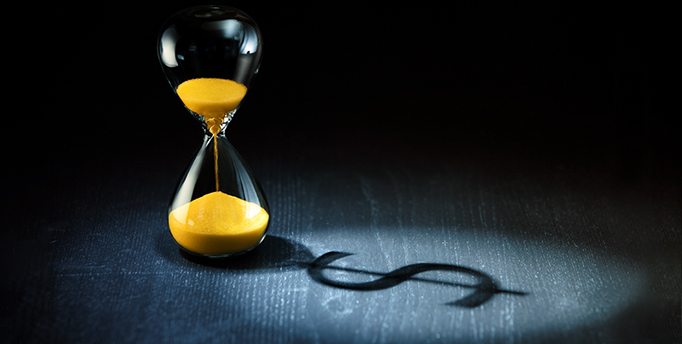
x=507 y=95
x=586 y=74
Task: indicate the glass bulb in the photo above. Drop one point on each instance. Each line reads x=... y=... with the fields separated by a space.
x=210 y=42
x=210 y=56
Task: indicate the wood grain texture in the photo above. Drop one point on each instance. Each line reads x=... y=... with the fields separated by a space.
x=597 y=258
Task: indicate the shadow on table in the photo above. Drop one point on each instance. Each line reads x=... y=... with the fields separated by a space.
x=284 y=254
x=483 y=290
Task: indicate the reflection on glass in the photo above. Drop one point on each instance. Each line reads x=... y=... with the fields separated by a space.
x=210 y=56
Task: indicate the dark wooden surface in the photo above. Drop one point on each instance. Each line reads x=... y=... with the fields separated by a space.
x=528 y=144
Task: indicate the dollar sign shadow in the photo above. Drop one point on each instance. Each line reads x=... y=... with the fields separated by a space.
x=484 y=289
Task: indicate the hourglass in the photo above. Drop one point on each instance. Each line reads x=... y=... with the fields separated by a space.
x=210 y=55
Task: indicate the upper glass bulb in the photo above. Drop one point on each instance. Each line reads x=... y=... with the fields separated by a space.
x=219 y=49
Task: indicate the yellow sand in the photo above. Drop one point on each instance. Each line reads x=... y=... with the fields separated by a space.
x=218 y=224
x=212 y=98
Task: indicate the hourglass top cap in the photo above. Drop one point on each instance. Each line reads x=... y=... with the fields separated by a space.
x=210 y=41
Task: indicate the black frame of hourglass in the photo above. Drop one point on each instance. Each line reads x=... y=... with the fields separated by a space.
x=213 y=42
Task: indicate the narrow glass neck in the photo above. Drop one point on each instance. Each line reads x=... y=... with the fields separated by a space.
x=214 y=124
x=208 y=135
